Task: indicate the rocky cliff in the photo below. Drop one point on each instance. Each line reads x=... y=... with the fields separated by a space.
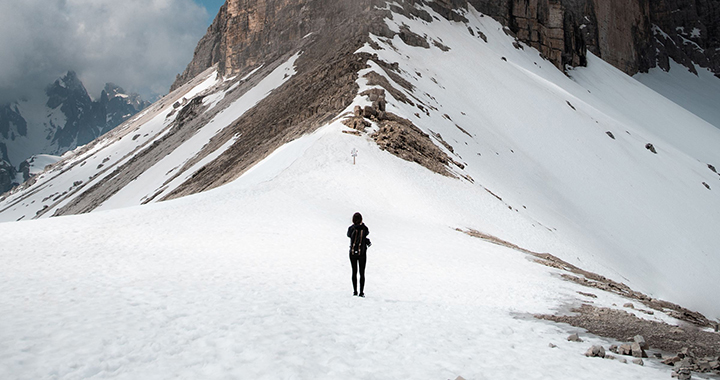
x=632 y=35
x=65 y=118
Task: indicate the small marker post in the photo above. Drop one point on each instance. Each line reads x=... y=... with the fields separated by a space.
x=354 y=154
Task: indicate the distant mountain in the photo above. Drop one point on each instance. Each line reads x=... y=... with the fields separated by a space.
x=61 y=120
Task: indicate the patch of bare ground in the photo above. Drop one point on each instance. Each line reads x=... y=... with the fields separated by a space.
x=623 y=326
x=619 y=324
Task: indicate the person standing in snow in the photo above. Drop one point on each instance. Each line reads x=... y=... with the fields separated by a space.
x=359 y=242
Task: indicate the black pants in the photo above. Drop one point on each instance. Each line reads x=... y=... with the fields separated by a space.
x=354 y=260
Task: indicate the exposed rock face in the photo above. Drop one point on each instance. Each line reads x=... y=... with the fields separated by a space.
x=7 y=176
x=248 y=33
x=632 y=35
x=88 y=119
x=623 y=34
x=79 y=120
x=687 y=31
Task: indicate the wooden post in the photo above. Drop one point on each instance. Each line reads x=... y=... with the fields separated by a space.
x=354 y=154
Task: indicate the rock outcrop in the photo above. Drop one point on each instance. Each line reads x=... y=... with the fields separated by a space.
x=632 y=35
x=69 y=118
x=7 y=176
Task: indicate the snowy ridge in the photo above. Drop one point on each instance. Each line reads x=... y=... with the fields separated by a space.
x=251 y=280
x=88 y=166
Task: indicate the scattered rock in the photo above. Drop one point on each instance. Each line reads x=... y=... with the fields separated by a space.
x=677 y=330
x=402 y=138
x=412 y=39
x=595 y=352
x=671 y=361
x=609 y=357
x=574 y=338
x=682 y=374
x=483 y=36
x=629 y=305
x=614 y=348
x=657 y=355
x=587 y=294
x=551 y=345
x=638 y=362
x=637 y=351
x=641 y=341
x=625 y=349
x=571 y=106
x=685 y=352
x=357 y=123
x=650 y=147
x=441 y=46
x=504 y=59
x=712 y=168
x=622 y=360
x=706 y=186
x=611 y=135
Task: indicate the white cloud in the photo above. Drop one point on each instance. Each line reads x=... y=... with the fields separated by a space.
x=138 y=44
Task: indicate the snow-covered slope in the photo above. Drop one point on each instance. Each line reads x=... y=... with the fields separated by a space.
x=251 y=279
x=698 y=94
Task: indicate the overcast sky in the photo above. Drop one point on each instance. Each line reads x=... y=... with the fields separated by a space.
x=139 y=45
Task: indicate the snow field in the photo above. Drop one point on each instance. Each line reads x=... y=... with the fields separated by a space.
x=252 y=280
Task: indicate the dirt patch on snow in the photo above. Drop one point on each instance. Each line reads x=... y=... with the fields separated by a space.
x=619 y=324
x=594 y=280
x=623 y=326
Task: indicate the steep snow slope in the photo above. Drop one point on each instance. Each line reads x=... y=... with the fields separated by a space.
x=699 y=94
x=86 y=169
x=539 y=142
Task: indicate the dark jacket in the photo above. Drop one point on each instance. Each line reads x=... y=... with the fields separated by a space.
x=358 y=239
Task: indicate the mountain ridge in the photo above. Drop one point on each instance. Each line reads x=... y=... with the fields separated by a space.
x=64 y=118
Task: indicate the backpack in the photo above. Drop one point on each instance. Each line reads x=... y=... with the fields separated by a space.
x=358 y=241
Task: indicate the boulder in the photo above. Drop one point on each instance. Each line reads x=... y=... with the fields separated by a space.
x=641 y=341
x=638 y=362
x=625 y=349
x=651 y=147
x=614 y=348
x=358 y=111
x=629 y=305
x=595 y=352
x=671 y=361
x=637 y=350
x=574 y=338
x=370 y=111
x=683 y=374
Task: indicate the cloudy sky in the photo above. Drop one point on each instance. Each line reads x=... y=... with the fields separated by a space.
x=138 y=44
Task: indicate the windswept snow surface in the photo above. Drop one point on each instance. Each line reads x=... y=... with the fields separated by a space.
x=252 y=280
